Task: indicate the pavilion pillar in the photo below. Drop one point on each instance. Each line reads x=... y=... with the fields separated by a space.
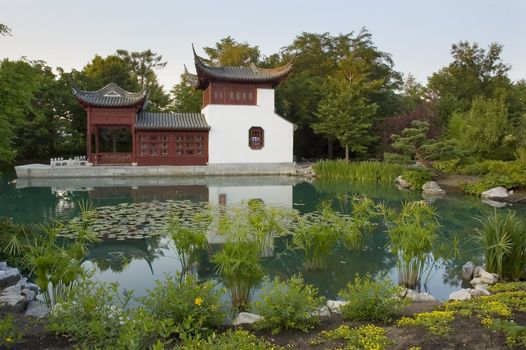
x=97 y=135
x=88 y=138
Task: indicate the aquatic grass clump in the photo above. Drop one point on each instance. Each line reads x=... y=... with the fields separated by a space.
x=374 y=171
x=249 y=231
x=189 y=238
x=412 y=233
x=502 y=236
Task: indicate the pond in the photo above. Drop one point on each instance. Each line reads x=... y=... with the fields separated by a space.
x=137 y=259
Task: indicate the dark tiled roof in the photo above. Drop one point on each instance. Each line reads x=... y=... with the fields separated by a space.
x=171 y=121
x=251 y=74
x=111 y=95
x=192 y=78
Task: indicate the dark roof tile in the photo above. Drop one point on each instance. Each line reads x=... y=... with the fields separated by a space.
x=112 y=96
x=171 y=121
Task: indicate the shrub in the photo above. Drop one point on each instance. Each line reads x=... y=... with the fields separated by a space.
x=9 y=333
x=370 y=300
x=511 y=175
x=447 y=166
x=417 y=177
x=287 y=305
x=93 y=314
x=381 y=172
x=195 y=306
x=501 y=235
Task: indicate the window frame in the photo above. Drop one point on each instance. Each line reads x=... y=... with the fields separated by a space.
x=256 y=138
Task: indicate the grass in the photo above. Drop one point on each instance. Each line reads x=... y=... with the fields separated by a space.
x=380 y=172
x=501 y=235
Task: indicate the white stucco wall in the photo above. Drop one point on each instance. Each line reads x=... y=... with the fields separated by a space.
x=229 y=125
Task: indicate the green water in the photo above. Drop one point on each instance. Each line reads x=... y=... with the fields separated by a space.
x=136 y=264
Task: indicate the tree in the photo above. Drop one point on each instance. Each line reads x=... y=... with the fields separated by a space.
x=485 y=131
x=185 y=97
x=17 y=85
x=143 y=65
x=413 y=142
x=473 y=72
x=5 y=30
x=346 y=115
x=228 y=52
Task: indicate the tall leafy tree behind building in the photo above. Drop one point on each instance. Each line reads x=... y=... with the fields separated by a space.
x=229 y=52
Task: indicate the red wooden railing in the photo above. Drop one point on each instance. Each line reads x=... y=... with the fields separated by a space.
x=111 y=158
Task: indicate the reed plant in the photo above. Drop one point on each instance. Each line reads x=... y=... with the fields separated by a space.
x=503 y=237
x=370 y=171
x=249 y=231
x=188 y=238
x=56 y=263
x=412 y=233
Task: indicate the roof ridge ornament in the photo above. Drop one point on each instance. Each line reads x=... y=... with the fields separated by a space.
x=112 y=93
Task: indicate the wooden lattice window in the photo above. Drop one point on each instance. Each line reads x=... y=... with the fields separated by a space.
x=256 y=137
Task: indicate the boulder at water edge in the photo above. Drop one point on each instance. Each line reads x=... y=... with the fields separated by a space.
x=416 y=297
x=335 y=305
x=402 y=183
x=431 y=187
x=495 y=192
x=462 y=294
x=467 y=270
x=246 y=318
x=483 y=277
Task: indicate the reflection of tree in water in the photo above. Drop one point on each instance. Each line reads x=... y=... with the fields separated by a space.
x=115 y=255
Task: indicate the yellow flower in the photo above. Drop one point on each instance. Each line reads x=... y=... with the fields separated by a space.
x=8 y=340
x=198 y=301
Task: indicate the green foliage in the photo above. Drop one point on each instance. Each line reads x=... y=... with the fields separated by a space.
x=57 y=265
x=346 y=114
x=436 y=322
x=507 y=286
x=397 y=158
x=357 y=171
x=412 y=233
x=447 y=166
x=367 y=337
x=92 y=314
x=194 y=307
x=189 y=238
x=239 y=339
x=515 y=333
x=511 y=175
x=5 y=30
x=250 y=231
x=474 y=71
x=185 y=97
x=487 y=130
x=369 y=299
x=9 y=332
x=287 y=305
x=417 y=177
x=12 y=239
x=316 y=234
x=501 y=235
x=228 y=52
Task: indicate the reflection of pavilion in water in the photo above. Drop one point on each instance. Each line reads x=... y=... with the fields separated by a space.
x=115 y=255
x=194 y=193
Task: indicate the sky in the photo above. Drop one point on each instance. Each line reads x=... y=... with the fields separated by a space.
x=417 y=33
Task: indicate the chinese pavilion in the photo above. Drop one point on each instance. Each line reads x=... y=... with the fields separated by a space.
x=237 y=123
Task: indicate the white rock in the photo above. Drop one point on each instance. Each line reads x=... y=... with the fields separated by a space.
x=482 y=287
x=9 y=277
x=15 y=302
x=37 y=310
x=417 y=297
x=467 y=270
x=402 y=183
x=322 y=312
x=475 y=281
x=246 y=318
x=477 y=292
x=462 y=294
x=335 y=305
x=431 y=187
x=484 y=276
x=495 y=192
